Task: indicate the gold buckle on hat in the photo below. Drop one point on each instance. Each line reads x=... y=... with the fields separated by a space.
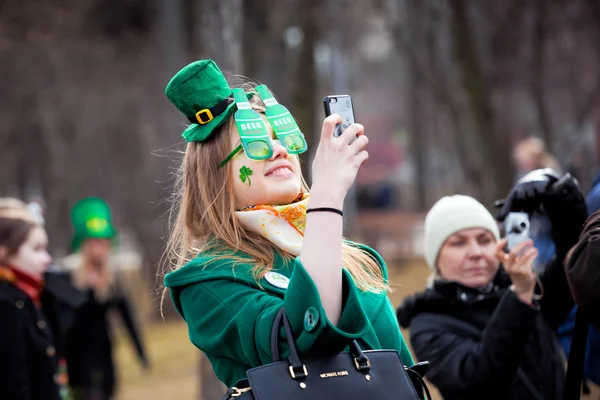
x=207 y=114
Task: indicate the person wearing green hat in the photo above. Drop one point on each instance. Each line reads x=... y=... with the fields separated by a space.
x=88 y=344
x=248 y=238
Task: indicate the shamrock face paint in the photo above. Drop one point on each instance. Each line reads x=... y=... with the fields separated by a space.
x=245 y=173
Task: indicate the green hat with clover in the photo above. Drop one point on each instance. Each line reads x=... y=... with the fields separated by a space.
x=91 y=218
x=202 y=94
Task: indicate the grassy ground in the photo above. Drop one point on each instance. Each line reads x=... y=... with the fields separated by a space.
x=174 y=365
x=175 y=360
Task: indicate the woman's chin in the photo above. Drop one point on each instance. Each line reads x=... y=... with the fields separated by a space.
x=284 y=198
x=284 y=193
x=478 y=282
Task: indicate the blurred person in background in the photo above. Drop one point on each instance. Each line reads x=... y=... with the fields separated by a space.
x=481 y=323
x=28 y=363
x=88 y=342
x=59 y=299
x=248 y=238
x=565 y=331
x=530 y=154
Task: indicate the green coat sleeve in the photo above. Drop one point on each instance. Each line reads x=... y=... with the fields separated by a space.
x=405 y=355
x=233 y=319
x=396 y=333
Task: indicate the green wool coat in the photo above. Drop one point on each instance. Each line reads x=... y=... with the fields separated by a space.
x=229 y=314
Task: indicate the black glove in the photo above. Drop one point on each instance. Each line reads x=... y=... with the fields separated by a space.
x=528 y=193
x=565 y=206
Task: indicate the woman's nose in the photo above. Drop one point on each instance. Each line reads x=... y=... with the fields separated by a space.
x=475 y=250
x=279 y=150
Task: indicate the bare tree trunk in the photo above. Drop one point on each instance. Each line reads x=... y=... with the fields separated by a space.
x=220 y=28
x=254 y=30
x=537 y=73
x=305 y=90
x=416 y=102
x=430 y=70
x=495 y=147
x=419 y=147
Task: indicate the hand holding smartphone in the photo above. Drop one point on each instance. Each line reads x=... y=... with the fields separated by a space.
x=340 y=165
x=341 y=105
x=517 y=229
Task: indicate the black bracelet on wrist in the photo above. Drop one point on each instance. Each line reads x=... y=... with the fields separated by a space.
x=325 y=209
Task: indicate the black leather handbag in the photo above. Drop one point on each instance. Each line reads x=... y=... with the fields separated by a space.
x=372 y=374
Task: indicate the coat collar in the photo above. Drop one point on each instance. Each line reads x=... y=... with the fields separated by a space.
x=464 y=294
x=25 y=282
x=444 y=297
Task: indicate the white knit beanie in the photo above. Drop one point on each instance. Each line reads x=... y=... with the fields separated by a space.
x=452 y=214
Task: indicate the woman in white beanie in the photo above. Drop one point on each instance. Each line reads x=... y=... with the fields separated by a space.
x=481 y=323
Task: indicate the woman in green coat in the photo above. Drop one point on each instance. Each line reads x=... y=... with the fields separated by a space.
x=248 y=238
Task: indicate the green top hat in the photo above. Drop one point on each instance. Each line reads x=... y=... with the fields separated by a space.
x=202 y=94
x=91 y=218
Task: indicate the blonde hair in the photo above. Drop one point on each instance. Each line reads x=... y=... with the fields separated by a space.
x=534 y=149
x=12 y=208
x=203 y=215
x=16 y=223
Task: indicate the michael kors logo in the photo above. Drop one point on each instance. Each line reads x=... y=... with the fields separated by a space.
x=333 y=374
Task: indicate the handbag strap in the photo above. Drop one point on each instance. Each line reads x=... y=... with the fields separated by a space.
x=297 y=367
x=299 y=370
x=275 y=335
x=242 y=386
x=576 y=357
x=362 y=361
x=419 y=379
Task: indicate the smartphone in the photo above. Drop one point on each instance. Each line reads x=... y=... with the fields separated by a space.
x=517 y=228
x=341 y=105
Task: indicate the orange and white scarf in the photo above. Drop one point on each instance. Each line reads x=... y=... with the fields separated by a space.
x=281 y=225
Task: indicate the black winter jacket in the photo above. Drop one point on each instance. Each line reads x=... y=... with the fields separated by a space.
x=89 y=343
x=487 y=344
x=27 y=353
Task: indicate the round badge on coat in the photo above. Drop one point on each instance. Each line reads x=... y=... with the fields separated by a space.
x=277 y=280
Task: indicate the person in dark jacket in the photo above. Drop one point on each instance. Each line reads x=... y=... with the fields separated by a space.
x=88 y=343
x=565 y=331
x=27 y=353
x=483 y=326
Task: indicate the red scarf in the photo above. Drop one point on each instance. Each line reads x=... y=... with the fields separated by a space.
x=25 y=282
